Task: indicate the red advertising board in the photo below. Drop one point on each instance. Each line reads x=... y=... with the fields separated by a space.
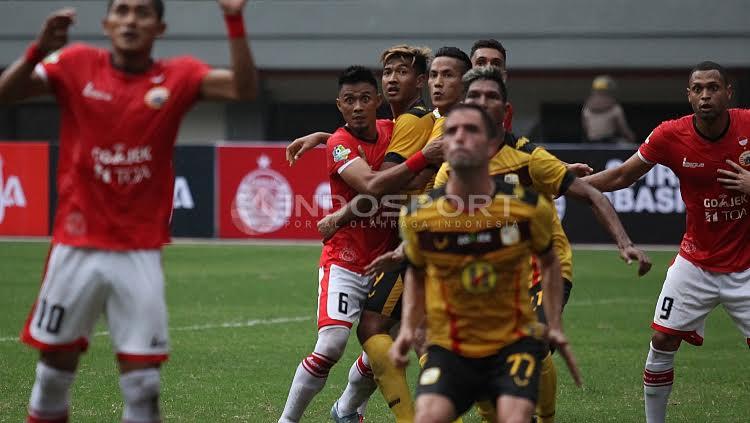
x=261 y=196
x=24 y=189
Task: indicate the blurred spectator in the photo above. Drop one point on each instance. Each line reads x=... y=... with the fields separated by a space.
x=602 y=117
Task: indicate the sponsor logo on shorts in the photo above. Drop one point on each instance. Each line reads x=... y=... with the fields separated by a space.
x=158 y=343
x=430 y=376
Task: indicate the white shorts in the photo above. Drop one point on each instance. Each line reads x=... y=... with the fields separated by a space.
x=80 y=284
x=341 y=294
x=690 y=293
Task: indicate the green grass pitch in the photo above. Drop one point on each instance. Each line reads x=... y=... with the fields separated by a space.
x=241 y=319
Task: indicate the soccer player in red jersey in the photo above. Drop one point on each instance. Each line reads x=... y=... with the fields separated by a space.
x=343 y=285
x=713 y=264
x=120 y=114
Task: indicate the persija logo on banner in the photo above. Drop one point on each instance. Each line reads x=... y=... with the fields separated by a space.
x=260 y=196
x=24 y=189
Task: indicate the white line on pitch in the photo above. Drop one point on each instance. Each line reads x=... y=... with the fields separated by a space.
x=245 y=324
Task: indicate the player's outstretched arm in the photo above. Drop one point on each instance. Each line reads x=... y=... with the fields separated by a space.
x=299 y=146
x=412 y=316
x=552 y=287
x=19 y=81
x=621 y=176
x=607 y=217
x=241 y=82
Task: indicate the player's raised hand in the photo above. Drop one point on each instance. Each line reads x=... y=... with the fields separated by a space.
x=386 y=262
x=579 y=169
x=399 y=352
x=232 y=7
x=299 y=146
x=433 y=152
x=738 y=181
x=630 y=253
x=558 y=340
x=54 y=34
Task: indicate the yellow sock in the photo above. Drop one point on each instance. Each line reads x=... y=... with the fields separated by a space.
x=545 y=405
x=390 y=379
x=422 y=362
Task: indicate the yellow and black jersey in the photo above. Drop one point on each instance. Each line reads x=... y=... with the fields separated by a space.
x=476 y=298
x=521 y=161
x=410 y=133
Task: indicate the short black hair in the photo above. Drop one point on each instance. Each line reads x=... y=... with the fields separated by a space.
x=158 y=6
x=356 y=74
x=486 y=73
x=455 y=53
x=709 y=65
x=489 y=43
x=490 y=126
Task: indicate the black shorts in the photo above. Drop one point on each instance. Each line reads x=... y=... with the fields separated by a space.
x=385 y=295
x=513 y=371
x=537 y=299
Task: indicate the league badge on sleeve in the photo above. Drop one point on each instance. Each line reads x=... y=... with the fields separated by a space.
x=340 y=153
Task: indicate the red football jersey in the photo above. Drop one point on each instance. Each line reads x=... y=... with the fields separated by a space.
x=717 y=218
x=354 y=246
x=115 y=176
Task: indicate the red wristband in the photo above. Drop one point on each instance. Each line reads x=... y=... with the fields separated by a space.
x=235 y=25
x=417 y=162
x=33 y=54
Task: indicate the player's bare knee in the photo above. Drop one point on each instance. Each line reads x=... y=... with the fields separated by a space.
x=665 y=342
x=131 y=366
x=61 y=360
x=332 y=342
x=140 y=390
x=372 y=324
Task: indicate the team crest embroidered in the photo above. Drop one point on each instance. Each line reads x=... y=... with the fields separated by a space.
x=745 y=159
x=340 y=153
x=156 y=97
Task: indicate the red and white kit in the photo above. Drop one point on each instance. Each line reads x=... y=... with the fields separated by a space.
x=114 y=180
x=713 y=266
x=343 y=287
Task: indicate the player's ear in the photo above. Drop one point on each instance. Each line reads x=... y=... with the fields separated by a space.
x=421 y=80
x=338 y=105
x=730 y=91
x=161 y=29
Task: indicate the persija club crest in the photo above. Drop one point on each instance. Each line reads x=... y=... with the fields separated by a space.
x=263 y=202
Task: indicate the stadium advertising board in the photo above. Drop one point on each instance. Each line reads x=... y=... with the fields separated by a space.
x=24 y=189
x=193 y=200
x=651 y=210
x=261 y=196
